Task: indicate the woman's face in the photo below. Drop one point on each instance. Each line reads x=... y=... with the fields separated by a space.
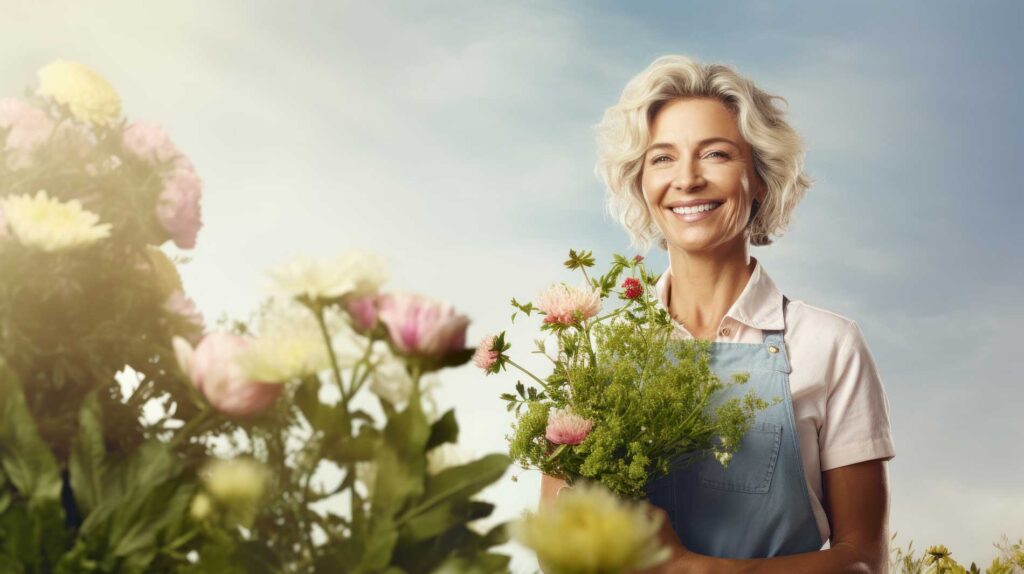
x=697 y=156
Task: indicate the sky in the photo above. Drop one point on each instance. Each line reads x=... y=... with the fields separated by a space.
x=457 y=139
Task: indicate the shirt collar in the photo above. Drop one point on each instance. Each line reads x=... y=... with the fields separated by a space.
x=759 y=305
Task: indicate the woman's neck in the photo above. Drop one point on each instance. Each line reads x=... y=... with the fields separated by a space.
x=703 y=288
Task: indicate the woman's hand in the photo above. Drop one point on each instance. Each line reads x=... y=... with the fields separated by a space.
x=681 y=557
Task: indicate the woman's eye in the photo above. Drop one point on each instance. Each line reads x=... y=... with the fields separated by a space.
x=721 y=154
x=659 y=158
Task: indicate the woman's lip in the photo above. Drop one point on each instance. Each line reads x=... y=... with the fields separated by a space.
x=692 y=217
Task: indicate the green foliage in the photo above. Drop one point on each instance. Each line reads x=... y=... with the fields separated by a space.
x=653 y=398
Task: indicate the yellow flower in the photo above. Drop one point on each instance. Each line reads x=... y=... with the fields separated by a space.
x=89 y=97
x=48 y=224
x=591 y=530
x=237 y=481
x=201 y=507
x=289 y=343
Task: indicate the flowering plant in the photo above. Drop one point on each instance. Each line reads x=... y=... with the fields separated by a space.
x=133 y=439
x=625 y=399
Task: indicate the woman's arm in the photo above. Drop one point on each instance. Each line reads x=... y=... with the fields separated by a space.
x=857 y=504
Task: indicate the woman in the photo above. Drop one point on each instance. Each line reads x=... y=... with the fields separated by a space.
x=700 y=160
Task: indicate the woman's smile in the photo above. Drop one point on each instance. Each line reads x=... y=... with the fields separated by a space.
x=697 y=212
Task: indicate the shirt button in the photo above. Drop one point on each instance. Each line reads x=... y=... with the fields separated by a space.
x=725 y=332
x=773 y=349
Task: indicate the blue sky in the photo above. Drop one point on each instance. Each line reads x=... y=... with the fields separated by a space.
x=457 y=139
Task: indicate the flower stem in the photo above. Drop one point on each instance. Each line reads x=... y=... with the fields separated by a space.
x=528 y=373
x=330 y=352
x=191 y=426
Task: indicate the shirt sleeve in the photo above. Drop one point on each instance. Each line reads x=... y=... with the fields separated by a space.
x=856 y=426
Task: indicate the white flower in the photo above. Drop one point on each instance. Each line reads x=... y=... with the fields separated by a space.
x=723 y=458
x=290 y=344
x=48 y=224
x=446 y=455
x=352 y=273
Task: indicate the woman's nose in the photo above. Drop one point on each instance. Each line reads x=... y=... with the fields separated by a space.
x=687 y=175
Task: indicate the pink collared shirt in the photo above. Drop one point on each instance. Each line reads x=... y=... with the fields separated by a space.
x=839 y=403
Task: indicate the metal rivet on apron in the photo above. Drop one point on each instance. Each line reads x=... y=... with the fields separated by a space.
x=773 y=349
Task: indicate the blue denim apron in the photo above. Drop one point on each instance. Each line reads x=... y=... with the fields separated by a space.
x=759 y=506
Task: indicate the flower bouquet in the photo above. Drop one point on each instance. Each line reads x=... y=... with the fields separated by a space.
x=625 y=400
x=133 y=439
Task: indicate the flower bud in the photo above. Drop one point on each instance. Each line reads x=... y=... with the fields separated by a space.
x=214 y=369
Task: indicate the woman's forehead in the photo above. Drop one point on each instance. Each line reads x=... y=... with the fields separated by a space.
x=694 y=120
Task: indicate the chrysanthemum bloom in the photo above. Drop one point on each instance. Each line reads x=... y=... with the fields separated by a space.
x=562 y=303
x=46 y=223
x=939 y=555
x=87 y=95
x=290 y=344
x=214 y=369
x=633 y=287
x=566 y=427
x=420 y=326
x=149 y=142
x=29 y=127
x=486 y=355
x=589 y=529
x=363 y=311
x=353 y=273
x=178 y=207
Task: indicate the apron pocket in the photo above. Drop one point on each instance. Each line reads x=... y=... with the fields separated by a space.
x=751 y=467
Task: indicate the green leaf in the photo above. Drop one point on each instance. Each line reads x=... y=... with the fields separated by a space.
x=26 y=459
x=445 y=429
x=86 y=465
x=307 y=398
x=354 y=449
x=380 y=545
x=460 y=482
x=444 y=516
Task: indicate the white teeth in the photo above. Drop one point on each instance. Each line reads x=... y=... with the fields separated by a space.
x=695 y=209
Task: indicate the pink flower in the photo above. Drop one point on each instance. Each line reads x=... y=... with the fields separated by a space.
x=363 y=311
x=633 y=287
x=420 y=326
x=178 y=206
x=485 y=355
x=149 y=142
x=29 y=128
x=184 y=306
x=564 y=427
x=561 y=304
x=214 y=370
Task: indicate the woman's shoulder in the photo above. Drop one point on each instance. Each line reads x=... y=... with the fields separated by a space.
x=816 y=324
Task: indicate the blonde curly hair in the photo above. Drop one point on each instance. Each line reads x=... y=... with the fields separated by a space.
x=624 y=134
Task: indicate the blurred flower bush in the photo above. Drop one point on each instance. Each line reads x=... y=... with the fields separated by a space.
x=939 y=560
x=134 y=439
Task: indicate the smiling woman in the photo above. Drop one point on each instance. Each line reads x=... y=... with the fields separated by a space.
x=700 y=161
